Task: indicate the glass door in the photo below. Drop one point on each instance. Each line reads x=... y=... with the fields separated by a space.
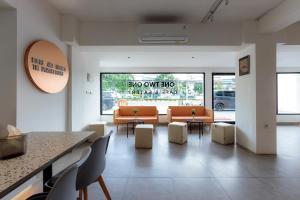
x=223 y=96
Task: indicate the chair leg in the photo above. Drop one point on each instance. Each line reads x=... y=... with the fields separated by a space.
x=85 y=194
x=80 y=194
x=103 y=187
x=117 y=128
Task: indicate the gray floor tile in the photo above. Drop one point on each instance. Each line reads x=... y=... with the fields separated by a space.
x=116 y=187
x=288 y=188
x=149 y=189
x=248 y=189
x=200 y=169
x=198 y=189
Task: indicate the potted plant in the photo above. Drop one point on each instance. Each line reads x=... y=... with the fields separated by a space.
x=135 y=111
x=193 y=113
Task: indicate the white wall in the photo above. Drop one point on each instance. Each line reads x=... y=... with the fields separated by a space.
x=8 y=70
x=85 y=94
x=290 y=60
x=38 y=111
x=245 y=113
x=29 y=108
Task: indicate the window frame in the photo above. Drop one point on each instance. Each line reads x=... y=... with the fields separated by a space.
x=212 y=91
x=102 y=73
x=277 y=111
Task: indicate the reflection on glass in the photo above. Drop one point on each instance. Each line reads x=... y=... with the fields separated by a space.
x=224 y=97
x=161 y=90
x=288 y=93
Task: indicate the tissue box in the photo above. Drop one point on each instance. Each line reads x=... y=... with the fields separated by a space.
x=12 y=146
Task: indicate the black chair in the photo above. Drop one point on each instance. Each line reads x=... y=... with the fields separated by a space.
x=91 y=171
x=63 y=189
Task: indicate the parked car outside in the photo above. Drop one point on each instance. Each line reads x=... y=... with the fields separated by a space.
x=224 y=100
x=108 y=100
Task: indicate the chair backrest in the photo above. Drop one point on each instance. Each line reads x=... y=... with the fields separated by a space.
x=84 y=156
x=187 y=110
x=142 y=110
x=94 y=166
x=122 y=102
x=65 y=186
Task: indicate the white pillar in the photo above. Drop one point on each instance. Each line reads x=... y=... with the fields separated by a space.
x=266 y=95
x=8 y=68
x=256 y=98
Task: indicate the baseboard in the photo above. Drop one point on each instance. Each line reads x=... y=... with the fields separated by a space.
x=288 y=123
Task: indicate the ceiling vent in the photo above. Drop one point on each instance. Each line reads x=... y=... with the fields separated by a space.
x=163 y=34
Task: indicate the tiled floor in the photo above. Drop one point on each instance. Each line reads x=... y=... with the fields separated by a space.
x=200 y=169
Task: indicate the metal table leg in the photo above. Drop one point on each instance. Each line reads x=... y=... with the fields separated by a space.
x=199 y=126
x=127 y=130
x=47 y=175
x=133 y=126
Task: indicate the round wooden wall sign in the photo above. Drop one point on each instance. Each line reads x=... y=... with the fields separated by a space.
x=47 y=66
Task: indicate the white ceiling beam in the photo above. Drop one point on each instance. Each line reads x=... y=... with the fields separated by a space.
x=284 y=15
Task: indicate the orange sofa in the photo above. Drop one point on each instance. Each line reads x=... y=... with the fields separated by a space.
x=183 y=113
x=149 y=114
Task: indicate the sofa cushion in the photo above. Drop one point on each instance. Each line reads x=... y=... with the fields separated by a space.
x=184 y=118
x=142 y=110
x=187 y=110
x=133 y=118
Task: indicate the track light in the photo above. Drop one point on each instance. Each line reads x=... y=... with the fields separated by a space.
x=213 y=9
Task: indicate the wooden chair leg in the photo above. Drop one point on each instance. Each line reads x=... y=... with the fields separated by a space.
x=85 y=194
x=104 y=188
x=117 y=128
x=80 y=194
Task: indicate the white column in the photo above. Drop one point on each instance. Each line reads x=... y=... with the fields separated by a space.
x=266 y=95
x=256 y=98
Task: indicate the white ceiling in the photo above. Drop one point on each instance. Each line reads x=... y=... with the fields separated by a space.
x=108 y=57
x=189 y=10
x=161 y=56
x=4 y=4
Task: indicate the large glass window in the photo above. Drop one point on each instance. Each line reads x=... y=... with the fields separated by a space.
x=288 y=93
x=155 y=89
x=224 y=97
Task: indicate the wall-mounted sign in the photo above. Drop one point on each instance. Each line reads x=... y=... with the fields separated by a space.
x=46 y=66
x=244 y=65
